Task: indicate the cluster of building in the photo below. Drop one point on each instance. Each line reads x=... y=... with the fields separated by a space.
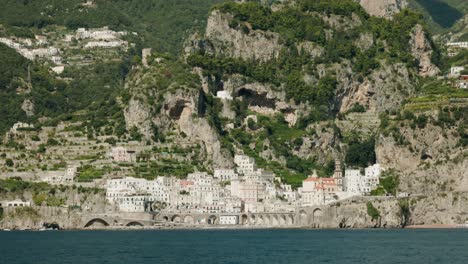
x=99 y=37
x=244 y=189
x=460 y=44
x=25 y=48
x=461 y=79
x=39 y=47
x=66 y=178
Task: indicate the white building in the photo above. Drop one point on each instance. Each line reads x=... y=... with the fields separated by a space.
x=58 y=69
x=130 y=193
x=353 y=182
x=132 y=204
x=245 y=164
x=225 y=174
x=456 y=70
x=463 y=44
x=372 y=177
x=106 y=44
x=14 y=203
x=248 y=191
x=232 y=205
x=98 y=34
x=229 y=220
x=224 y=95
x=121 y=154
x=318 y=191
x=357 y=184
x=65 y=178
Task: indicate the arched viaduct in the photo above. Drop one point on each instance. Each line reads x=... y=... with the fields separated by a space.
x=189 y=219
x=246 y=219
x=313 y=217
x=115 y=220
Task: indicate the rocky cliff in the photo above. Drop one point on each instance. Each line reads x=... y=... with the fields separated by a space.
x=422 y=51
x=383 y=8
x=246 y=44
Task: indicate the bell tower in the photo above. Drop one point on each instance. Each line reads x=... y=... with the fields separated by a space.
x=338 y=174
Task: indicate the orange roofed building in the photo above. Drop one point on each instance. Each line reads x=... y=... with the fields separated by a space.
x=316 y=191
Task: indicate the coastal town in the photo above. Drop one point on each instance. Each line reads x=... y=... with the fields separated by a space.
x=105 y=122
x=244 y=189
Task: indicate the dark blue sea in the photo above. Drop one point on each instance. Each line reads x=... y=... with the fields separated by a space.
x=235 y=246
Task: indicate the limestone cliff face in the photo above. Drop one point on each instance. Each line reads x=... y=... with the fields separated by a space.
x=422 y=51
x=430 y=162
x=383 y=89
x=441 y=208
x=383 y=8
x=66 y=217
x=137 y=114
x=263 y=98
x=252 y=45
x=183 y=110
x=447 y=209
x=173 y=110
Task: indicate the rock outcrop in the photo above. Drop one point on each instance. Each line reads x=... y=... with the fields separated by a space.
x=422 y=51
x=28 y=107
x=443 y=171
x=252 y=45
x=383 y=89
x=383 y=8
x=137 y=114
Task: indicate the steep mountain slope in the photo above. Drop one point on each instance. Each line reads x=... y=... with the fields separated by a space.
x=161 y=24
x=441 y=15
x=302 y=84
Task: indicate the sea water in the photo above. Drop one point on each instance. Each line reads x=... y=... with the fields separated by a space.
x=235 y=246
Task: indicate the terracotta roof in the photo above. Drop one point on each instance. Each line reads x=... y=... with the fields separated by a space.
x=311 y=179
x=184 y=182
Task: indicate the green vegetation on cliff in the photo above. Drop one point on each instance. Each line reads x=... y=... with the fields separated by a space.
x=441 y=14
x=92 y=89
x=372 y=211
x=163 y=24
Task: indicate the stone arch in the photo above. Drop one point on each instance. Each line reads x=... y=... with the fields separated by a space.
x=282 y=220
x=253 y=219
x=176 y=219
x=96 y=222
x=289 y=220
x=260 y=220
x=201 y=220
x=274 y=220
x=188 y=219
x=134 y=223
x=244 y=219
x=165 y=218
x=266 y=220
x=212 y=219
x=317 y=213
x=303 y=217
